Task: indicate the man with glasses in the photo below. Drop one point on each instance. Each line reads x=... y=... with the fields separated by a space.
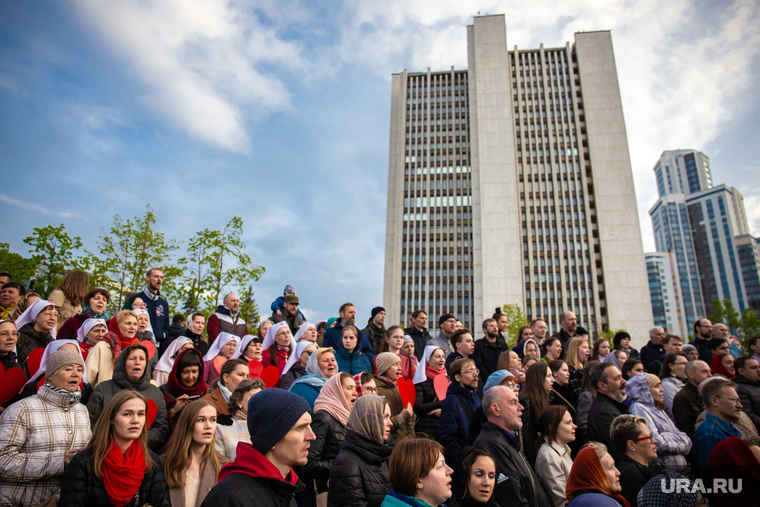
x=702 y=334
x=688 y=404
x=723 y=410
x=638 y=457
x=456 y=412
x=609 y=384
x=748 y=387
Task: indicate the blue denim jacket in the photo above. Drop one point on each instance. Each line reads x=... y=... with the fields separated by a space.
x=709 y=433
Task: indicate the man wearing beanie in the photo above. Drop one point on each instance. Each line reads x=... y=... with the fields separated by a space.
x=375 y=329
x=262 y=473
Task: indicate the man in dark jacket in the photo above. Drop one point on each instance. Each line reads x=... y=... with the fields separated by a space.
x=419 y=332
x=747 y=382
x=333 y=336
x=702 y=334
x=687 y=403
x=177 y=328
x=609 y=384
x=158 y=308
x=262 y=473
x=516 y=484
x=292 y=316
x=375 y=329
x=569 y=323
x=457 y=409
x=227 y=319
x=638 y=457
x=653 y=353
x=488 y=349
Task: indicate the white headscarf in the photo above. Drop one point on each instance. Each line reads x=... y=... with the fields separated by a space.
x=31 y=313
x=296 y=355
x=49 y=349
x=220 y=342
x=243 y=344
x=143 y=311
x=301 y=330
x=87 y=326
x=272 y=332
x=421 y=375
x=167 y=359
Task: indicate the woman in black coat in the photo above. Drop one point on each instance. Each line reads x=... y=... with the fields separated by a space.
x=126 y=472
x=427 y=406
x=359 y=475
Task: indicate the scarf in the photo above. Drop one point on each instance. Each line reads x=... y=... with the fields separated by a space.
x=74 y=397
x=332 y=400
x=432 y=373
x=366 y=418
x=587 y=474
x=176 y=387
x=150 y=295
x=423 y=371
x=716 y=366
x=392 y=383
x=123 y=474
x=117 y=340
x=314 y=377
x=87 y=313
x=225 y=392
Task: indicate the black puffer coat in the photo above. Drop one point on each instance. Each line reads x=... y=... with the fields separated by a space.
x=749 y=394
x=239 y=490
x=80 y=487
x=158 y=433
x=359 y=475
x=426 y=401
x=296 y=371
x=323 y=450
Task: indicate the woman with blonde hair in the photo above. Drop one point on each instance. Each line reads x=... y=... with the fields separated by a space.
x=69 y=296
x=122 y=331
x=191 y=462
x=576 y=358
x=116 y=468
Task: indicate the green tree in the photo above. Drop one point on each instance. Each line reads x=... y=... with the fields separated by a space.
x=515 y=320
x=608 y=333
x=249 y=310
x=216 y=262
x=723 y=311
x=18 y=266
x=53 y=254
x=750 y=327
x=128 y=250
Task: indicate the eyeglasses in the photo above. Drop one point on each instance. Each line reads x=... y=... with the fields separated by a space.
x=471 y=372
x=139 y=304
x=648 y=437
x=6 y=334
x=734 y=400
x=369 y=389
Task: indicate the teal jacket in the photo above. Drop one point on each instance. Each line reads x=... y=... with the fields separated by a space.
x=395 y=499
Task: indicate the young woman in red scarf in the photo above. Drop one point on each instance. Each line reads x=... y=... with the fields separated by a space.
x=116 y=468
x=594 y=481
x=723 y=364
x=185 y=383
x=427 y=406
x=122 y=330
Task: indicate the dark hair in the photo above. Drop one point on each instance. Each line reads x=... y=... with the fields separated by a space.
x=366 y=376
x=556 y=365
x=533 y=389
x=94 y=292
x=536 y=321
x=227 y=368
x=186 y=360
x=549 y=341
x=197 y=314
x=240 y=391
x=696 y=325
x=417 y=313
x=740 y=361
x=468 y=462
x=598 y=373
x=354 y=330
x=457 y=335
x=597 y=345
x=670 y=337
x=7 y=275
x=344 y=306
x=625 y=428
x=388 y=333
x=753 y=341
x=714 y=343
x=497 y=314
x=548 y=422
x=411 y=460
x=520 y=332
x=178 y=318
x=628 y=366
x=457 y=366
x=322 y=325
x=669 y=360
x=713 y=388
x=486 y=322
x=17 y=286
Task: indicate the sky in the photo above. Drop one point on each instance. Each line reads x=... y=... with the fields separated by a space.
x=278 y=112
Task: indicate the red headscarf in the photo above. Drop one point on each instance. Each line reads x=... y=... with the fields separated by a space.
x=176 y=387
x=123 y=474
x=117 y=340
x=733 y=459
x=588 y=474
x=718 y=367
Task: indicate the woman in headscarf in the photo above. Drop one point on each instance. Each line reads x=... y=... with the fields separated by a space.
x=250 y=349
x=359 y=474
x=36 y=328
x=8 y=339
x=89 y=334
x=350 y=358
x=321 y=366
x=277 y=347
x=102 y=357
x=223 y=347
x=165 y=364
x=95 y=303
x=331 y=411
x=183 y=384
x=30 y=388
x=594 y=481
x=389 y=371
x=734 y=460
x=427 y=406
x=69 y=295
x=307 y=331
x=524 y=334
x=723 y=364
x=296 y=366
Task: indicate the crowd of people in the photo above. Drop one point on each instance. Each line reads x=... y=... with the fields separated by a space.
x=138 y=408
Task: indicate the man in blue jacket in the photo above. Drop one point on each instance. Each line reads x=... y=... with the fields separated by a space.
x=457 y=409
x=334 y=339
x=723 y=409
x=158 y=308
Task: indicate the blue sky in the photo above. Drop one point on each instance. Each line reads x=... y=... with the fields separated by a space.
x=278 y=112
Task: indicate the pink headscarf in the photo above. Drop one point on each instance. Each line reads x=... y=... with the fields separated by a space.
x=332 y=400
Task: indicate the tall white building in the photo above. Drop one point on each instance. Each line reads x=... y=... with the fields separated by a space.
x=510 y=182
x=665 y=291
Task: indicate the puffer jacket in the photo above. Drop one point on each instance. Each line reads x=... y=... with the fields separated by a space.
x=456 y=413
x=359 y=475
x=749 y=394
x=295 y=371
x=28 y=340
x=352 y=362
x=81 y=487
x=159 y=430
x=35 y=433
x=324 y=448
x=426 y=401
x=672 y=444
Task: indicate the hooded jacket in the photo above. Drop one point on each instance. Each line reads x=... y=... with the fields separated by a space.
x=159 y=430
x=671 y=385
x=359 y=474
x=250 y=479
x=673 y=445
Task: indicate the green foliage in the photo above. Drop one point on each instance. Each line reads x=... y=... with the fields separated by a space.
x=216 y=264
x=608 y=333
x=18 y=266
x=249 y=310
x=53 y=254
x=723 y=311
x=515 y=320
x=750 y=327
x=128 y=250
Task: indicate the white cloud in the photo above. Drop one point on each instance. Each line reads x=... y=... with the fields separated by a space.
x=38 y=208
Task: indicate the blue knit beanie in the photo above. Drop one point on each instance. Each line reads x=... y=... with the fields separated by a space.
x=272 y=413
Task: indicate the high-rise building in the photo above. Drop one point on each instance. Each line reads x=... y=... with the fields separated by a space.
x=665 y=291
x=510 y=182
